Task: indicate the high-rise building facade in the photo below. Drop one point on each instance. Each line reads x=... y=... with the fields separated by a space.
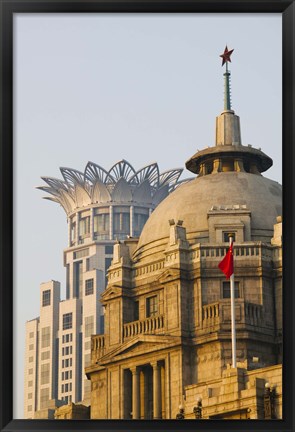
x=102 y=208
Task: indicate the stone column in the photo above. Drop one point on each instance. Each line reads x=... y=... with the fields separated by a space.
x=239 y=165
x=69 y=220
x=142 y=394
x=163 y=388
x=111 y=222
x=147 y=414
x=156 y=390
x=131 y=229
x=216 y=166
x=77 y=228
x=92 y=223
x=135 y=393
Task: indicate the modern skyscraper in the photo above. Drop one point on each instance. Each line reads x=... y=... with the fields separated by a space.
x=102 y=207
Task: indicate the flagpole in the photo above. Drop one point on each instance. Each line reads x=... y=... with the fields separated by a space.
x=233 y=317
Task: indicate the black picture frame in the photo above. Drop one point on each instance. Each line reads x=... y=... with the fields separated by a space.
x=10 y=7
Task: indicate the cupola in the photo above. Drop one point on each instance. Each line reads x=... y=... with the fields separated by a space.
x=228 y=154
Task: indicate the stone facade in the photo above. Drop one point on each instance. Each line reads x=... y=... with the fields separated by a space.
x=240 y=393
x=167 y=338
x=72 y=412
x=143 y=364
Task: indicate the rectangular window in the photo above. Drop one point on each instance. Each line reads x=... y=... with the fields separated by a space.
x=44 y=398
x=66 y=363
x=31 y=335
x=30 y=383
x=30 y=395
x=81 y=253
x=78 y=278
x=29 y=407
x=109 y=250
x=67 y=321
x=121 y=223
x=226 y=236
x=102 y=224
x=31 y=347
x=139 y=221
x=66 y=375
x=107 y=263
x=31 y=359
x=67 y=338
x=89 y=287
x=84 y=226
x=46 y=298
x=67 y=350
x=45 y=355
x=45 y=337
x=73 y=232
x=45 y=373
x=136 y=311
x=89 y=326
x=151 y=306
x=67 y=281
x=66 y=387
x=30 y=371
x=226 y=289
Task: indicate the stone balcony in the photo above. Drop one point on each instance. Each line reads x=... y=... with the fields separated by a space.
x=217 y=316
x=257 y=249
x=151 y=325
x=97 y=347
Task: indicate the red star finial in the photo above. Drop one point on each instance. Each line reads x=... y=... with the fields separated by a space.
x=226 y=56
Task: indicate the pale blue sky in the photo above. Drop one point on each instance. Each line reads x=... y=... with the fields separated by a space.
x=144 y=88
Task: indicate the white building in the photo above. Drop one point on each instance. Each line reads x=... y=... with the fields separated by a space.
x=102 y=207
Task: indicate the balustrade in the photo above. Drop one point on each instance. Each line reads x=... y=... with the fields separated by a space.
x=253 y=314
x=97 y=347
x=211 y=313
x=147 y=326
x=239 y=251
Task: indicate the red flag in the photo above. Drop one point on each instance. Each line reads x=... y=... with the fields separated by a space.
x=227 y=264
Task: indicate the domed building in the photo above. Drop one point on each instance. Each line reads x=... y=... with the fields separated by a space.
x=166 y=351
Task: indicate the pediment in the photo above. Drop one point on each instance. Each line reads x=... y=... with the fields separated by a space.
x=168 y=275
x=141 y=344
x=114 y=291
x=111 y=293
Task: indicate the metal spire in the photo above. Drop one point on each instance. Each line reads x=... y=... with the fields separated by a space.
x=225 y=59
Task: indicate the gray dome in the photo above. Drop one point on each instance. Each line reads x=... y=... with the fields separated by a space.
x=192 y=201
